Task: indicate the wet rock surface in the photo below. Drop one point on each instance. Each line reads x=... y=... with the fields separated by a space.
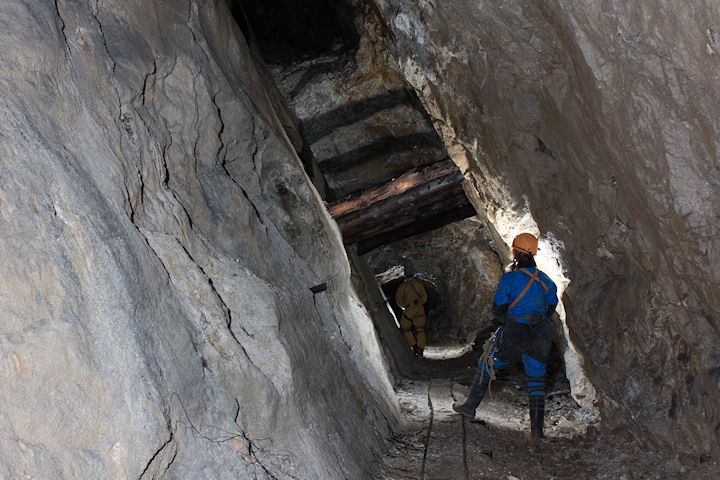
x=159 y=242
x=595 y=124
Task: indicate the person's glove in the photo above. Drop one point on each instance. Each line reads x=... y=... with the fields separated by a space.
x=498 y=314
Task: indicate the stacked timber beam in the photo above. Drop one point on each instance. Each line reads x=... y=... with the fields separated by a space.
x=418 y=201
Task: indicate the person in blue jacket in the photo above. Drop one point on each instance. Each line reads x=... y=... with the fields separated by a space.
x=525 y=301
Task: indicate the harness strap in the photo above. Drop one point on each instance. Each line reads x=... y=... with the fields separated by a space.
x=409 y=287
x=527 y=287
x=533 y=278
x=413 y=317
x=412 y=285
x=529 y=319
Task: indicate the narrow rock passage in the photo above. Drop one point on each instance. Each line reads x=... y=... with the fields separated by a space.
x=435 y=443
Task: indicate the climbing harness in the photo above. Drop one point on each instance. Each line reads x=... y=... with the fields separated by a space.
x=533 y=278
x=420 y=295
x=487 y=360
x=410 y=292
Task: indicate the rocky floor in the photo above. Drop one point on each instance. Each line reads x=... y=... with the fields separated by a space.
x=436 y=443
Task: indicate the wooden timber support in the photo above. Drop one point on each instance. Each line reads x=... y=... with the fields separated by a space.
x=418 y=201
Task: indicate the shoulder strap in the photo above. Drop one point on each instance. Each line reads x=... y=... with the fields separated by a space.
x=536 y=277
x=412 y=285
x=533 y=278
x=517 y=299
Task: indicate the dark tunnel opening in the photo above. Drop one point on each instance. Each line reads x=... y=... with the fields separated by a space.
x=292 y=34
x=434 y=307
x=288 y=30
x=439 y=321
x=359 y=128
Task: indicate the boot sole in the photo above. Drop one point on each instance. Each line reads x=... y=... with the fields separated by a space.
x=464 y=414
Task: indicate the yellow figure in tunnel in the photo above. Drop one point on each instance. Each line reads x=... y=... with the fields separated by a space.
x=411 y=296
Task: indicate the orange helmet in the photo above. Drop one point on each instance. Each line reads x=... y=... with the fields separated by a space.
x=526 y=243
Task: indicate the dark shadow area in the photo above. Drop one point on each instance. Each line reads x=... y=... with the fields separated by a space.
x=298 y=28
x=382 y=148
x=321 y=125
x=433 y=217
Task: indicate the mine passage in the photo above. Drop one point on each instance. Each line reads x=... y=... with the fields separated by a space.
x=399 y=202
x=245 y=239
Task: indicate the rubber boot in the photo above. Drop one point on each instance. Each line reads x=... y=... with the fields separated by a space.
x=421 y=340
x=537 y=415
x=477 y=392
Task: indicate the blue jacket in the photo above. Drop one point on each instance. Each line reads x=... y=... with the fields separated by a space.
x=535 y=300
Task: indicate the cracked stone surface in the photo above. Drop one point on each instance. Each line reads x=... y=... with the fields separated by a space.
x=595 y=123
x=159 y=239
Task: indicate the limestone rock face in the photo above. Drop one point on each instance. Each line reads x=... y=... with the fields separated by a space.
x=158 y=242
x=595 y=123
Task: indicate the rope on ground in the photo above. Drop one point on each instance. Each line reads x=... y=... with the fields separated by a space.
x=464 y=445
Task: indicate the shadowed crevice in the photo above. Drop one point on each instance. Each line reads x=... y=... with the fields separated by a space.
x=317 y=127
x=385 y=146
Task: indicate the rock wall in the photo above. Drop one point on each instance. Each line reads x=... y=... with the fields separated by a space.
x=158 y=241
x=363 y=123
x=596 y=124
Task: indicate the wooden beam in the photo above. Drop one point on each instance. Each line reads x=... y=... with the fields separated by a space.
x=421 y=225
x=418 y=201
x=397 y=186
